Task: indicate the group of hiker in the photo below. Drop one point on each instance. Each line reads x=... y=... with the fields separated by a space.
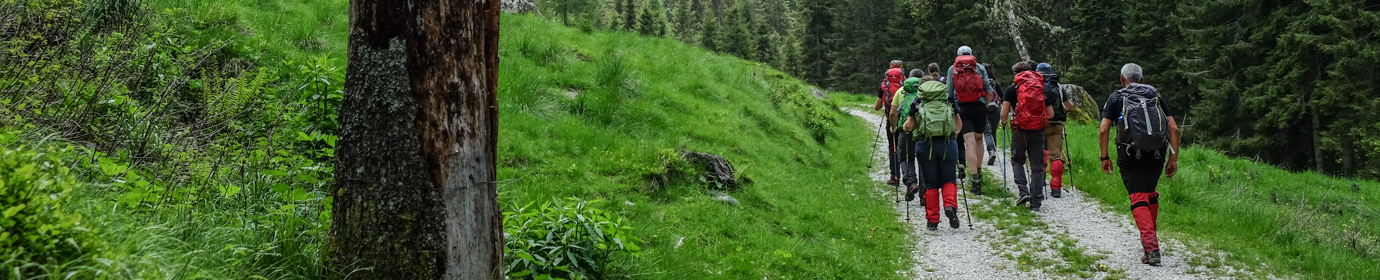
x=941 y=125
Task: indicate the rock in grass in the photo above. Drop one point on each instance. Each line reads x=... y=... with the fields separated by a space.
x=1085 y=108
x=723 y=197
x=819 y=93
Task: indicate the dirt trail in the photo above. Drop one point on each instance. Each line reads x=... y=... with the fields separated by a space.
x=1073 y=237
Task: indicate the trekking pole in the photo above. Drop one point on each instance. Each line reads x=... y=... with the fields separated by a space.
x=880 y=125
x=1068 y=156
x=966 y=209
x=892 y=151
x=1004 y=143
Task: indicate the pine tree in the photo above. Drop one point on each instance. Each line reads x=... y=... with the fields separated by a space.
x=792 y=57
x=762 y=34
x=709 y=30
x=815 y=42
x=607 y=16
x=1094 y=45
x=684 y=19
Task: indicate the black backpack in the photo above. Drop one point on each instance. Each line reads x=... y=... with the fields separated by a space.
x=1054 y=92
x=1143 y=124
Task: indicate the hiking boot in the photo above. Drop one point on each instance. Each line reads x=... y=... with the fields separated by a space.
x=992 y=160
x=910 y=194
x=1035 y=206
x=977 y=190
x=1151 y=258
x=953 y=216
x=891 y=182
x=1055 y=193
x=1022 y=200
x=932 y=226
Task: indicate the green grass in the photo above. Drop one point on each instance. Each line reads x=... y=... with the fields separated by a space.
x=277 y=34
x=590 y=116
x=810 y=211
x=1307 y=224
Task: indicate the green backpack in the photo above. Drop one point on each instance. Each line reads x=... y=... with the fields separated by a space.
x=910 y=89
x=934 y=114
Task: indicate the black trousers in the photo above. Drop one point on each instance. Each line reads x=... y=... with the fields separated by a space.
x=1140 y=170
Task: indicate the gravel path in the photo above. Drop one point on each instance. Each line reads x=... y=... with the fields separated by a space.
x=1073 y=237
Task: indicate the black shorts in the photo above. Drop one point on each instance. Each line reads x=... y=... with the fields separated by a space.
x=974 y=115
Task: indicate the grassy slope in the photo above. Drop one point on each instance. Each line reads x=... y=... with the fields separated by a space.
x=808 y=213
x=1303 y=223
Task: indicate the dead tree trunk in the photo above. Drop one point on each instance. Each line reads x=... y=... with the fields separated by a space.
x=415 y=194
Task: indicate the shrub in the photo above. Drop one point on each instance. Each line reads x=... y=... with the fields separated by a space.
x=567 y=241
x=34 y=188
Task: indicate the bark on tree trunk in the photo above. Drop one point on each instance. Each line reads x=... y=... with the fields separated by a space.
x=1015 y=26
x=415 y=192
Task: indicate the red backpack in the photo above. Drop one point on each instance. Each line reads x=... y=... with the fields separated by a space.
x=1030 y=99
x=894 y=77
x=967 y=83
x=890 y=84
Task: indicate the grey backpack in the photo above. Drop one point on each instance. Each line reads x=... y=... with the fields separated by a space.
x=1143 y=124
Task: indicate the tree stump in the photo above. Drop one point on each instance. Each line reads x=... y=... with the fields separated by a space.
x=717 y=168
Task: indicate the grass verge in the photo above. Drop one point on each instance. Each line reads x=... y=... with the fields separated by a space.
x=1307 y=224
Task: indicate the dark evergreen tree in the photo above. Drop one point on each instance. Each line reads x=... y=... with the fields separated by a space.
x=1095 y=63
x=817 y=27
x=709 y=30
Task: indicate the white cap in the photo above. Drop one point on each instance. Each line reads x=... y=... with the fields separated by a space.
x=965 y=50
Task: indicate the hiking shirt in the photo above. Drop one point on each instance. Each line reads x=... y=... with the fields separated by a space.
x=981 y=71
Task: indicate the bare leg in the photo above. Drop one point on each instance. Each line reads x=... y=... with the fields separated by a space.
x=975 y=148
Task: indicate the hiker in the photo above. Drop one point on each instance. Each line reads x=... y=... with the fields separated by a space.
x=905 y=95
x=1054 y=132
x=1147 y=144
x=993 y=117
x=934 y=122
x=891 y=83
x=966 y=81
x=934 y=71
x=1026 y=98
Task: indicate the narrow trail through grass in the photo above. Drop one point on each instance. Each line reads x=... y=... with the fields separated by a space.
x=1073 y=237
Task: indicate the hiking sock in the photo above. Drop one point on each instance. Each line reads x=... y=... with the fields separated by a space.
x=1056 y=173
x=1145 y=220
x=932 y=205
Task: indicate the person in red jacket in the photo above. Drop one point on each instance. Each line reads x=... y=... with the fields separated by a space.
x=890 y=84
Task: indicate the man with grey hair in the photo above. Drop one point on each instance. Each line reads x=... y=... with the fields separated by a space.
x=1147 y=145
